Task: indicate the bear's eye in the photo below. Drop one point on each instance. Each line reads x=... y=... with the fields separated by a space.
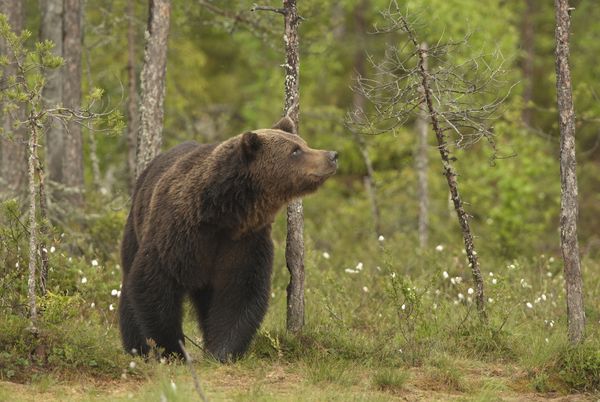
x=297 y=151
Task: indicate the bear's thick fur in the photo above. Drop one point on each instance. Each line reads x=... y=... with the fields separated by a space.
x=200 y=226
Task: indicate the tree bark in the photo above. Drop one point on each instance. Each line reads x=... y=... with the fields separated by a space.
x=450 y=173
x=569 y=208
x=13 y=150
x=294 y=248
x=52 y=29
x=422 y=164
x=153 y=83
x=72 y=168
x=132 y=106
x=528 y=36
x=43 y=250
x=33 y=242
x=358 y=101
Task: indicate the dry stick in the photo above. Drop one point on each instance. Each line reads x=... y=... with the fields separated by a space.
x=188 y=360
x=569 y=207
x=422 y=168
x=294 y=246
x=450 y=174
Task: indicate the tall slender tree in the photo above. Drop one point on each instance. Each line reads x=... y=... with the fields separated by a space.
x=13 y=144
x=72 y=165
x=569 y=207
x=152 y=82
x=51 y=28
x=422 y=162
x=132 y=98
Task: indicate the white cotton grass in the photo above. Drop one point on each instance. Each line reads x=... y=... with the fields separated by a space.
x=111 y=307
x=365 y=289
x=381 y=238
x=445 y=275
x=94 y=263
x=326 y=255
x=439 y=248
x=84 y=280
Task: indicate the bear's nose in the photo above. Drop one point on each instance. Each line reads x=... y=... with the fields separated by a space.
x=333 y=156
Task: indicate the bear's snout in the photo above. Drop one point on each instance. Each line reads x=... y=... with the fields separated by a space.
x=333 y=156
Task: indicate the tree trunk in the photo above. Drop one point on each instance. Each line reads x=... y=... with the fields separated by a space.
x=153 y=83
x=33 y=242
x=527 y=38
x=72 y=169
x=132 y=109
x=568 y=177
x=358 y=102
x=13 y=150
x=422 y=164
x=294 y=248
x=449 y=172
x=43 y=250
x=52 y=29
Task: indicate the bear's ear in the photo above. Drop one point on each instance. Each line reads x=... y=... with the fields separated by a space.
x=286 y=124
x=250 y=144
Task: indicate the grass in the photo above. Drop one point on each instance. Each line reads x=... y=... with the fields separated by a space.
x=383 y=322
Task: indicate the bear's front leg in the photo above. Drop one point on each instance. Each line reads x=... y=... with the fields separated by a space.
x=156 y=300
x=232 y=321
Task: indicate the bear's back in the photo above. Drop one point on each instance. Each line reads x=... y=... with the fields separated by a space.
x=183 y=154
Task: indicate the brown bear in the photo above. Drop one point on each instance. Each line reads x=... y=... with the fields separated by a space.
x=200 y=226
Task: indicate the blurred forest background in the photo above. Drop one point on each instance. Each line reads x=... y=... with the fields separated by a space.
x=388 y=312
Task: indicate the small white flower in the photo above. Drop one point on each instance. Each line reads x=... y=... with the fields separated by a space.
x=350 y=271
x=118 y=293
x=469 y=299
x=549 y=274
x=365 y=289
x=461 y=296
x=381 y=238
x=113 y=292
x=132 y=365
x=437 y=292
x=163 y=360
x=543 y=297
x=94 y=263
x=551 y=259
x=445 y=275
x=547 y=341
x=494 y=281
x=359 y=266
x=84 y=280
x=470 y=291
x=529 y=305
x=326 y=255
x=52 y=249
x=453 y=281
x=439 y=248
x=393 y=275
x=491 y=274
x=93 y=305
x=70 y=259
x=458 y=279
x=378 y=268
x=273 y=295
x=403 y=307
x=490 y=300
x=435 y=306
x=133 y=351
x=111 y=307
x=17 y=264
x=379 y=315
x=173 y=386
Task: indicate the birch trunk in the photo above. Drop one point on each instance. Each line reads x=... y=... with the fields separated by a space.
x=294 y=248
x=52 y=29
x=13 y=150
x=569 y=208
x=72 y=168
x=153 y=83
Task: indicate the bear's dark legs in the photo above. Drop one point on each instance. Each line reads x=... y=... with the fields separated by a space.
x=156 y=302
x=230 y=317
x=133 y=341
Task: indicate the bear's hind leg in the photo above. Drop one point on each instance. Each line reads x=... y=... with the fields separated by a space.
x=157 y=303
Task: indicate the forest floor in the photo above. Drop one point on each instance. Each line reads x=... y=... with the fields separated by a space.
x=268 y=381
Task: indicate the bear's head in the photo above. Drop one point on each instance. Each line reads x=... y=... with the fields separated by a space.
x=280 y=162
x=251 y=176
